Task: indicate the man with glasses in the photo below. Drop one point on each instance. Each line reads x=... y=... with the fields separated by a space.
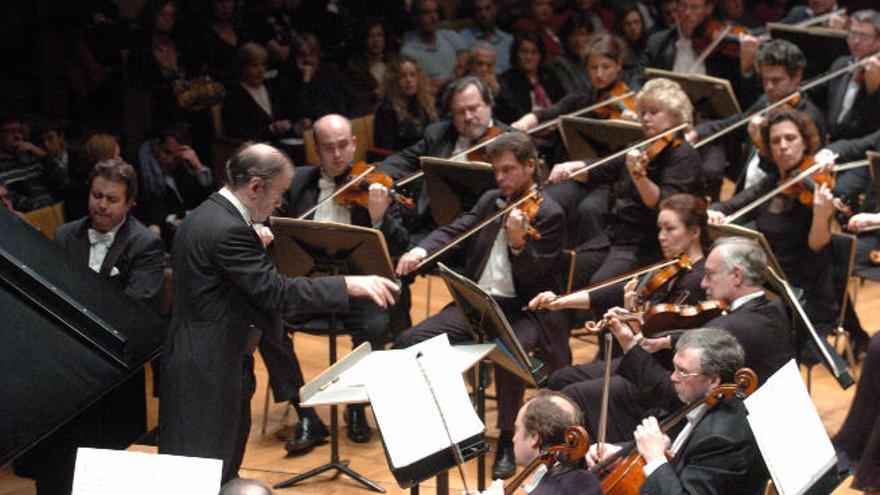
x=852 y=101
x=365 y=320
x=714 y=450
x=33 y=178
x=734 y=274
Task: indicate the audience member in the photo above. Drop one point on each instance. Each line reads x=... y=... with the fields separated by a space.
x=571 y=67
x=486 y=30
x=599 y=16
x=408 y=106
x=220 y=37
x=528 y=85
x=442 y=53
x=373 y=48
x=630 y=25
x=483 y=63
x=541 y=20
x=271 y=25
x=33 y=178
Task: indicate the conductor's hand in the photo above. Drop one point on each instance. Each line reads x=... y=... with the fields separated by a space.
x=379 y=289
x=408 y=262
x=595 y=457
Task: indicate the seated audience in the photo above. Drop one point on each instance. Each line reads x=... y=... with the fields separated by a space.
x=442 y=53
x=541 y=20
x=270 y=23
x=528 y=85
x=408 y=107
x=373 y=47
x=33 y=178
x=485 y=29
x=219 y=38
x=571 y=67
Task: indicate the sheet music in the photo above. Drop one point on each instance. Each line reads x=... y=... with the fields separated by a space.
x=416 y=431
x=789 y=432
x=111 y=472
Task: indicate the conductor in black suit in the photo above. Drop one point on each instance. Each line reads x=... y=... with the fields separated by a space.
x=227 y=296
x=512 y=268
x=112 y=242
x=715 y=451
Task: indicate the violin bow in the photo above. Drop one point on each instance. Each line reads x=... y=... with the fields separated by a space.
x=820 y=18
x=337 y=192
x=804 y=87
x=458 y=156
x=709 y=49
x=456 y=451
x=773 y=192
x=606 y=389
x=624 y=151
x=577 y=113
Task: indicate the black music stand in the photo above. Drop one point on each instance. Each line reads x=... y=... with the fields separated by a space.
x=711 y=97
x=823 y=44
x=488 y=324
x=454 y=187
x=314 y=249
x=591 y=138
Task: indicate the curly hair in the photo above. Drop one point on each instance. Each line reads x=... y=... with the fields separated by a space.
x=399 y=102
x=670 y=94
x=805 y=125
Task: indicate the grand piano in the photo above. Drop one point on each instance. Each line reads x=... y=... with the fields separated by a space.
x=72 y=352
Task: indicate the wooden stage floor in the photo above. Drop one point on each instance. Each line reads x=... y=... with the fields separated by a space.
x=265 y=458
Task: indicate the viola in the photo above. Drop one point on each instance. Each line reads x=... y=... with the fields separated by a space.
x=803 y=190
x=615 y=111
x=574 y=449
x=623 y=475
x=711 y=29
x=479 y=153
x=359 y=194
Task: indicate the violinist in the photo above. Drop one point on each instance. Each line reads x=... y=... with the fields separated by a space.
x=511 y=266
x=715 y=451
x=366 y=321
x=813 y=9
x=852 y=101
x=541 y=423
x=639 y=183
x=796 y=225
x=678 y=48
x=733 y=274
x=780 y=64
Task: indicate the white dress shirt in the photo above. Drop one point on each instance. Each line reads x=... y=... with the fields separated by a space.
x=331 y=211
x=99 y=245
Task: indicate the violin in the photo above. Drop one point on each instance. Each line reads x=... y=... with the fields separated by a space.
x=623 y=474
x=529 y=209
x=477 y=153
x=659 y=279
x=711 y=30
x=574 y=449
x=359 y=193
x=614 y=111
x=653 y=149
x=658 y=318
x=803 y=190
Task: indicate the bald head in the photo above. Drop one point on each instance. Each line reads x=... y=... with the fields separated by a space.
x=336 y=145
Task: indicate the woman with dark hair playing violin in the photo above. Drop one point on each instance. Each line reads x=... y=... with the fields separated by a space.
x=638 y=183
x=797 y=221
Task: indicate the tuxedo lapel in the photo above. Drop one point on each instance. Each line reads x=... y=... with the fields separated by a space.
x=120 y=240
x=78 y=246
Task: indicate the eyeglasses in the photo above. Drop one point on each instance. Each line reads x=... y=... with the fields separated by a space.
x=686 y=375
x=860 y=36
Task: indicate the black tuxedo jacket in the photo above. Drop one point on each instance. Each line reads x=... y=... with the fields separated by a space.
x=719 y=457
x=303 y=195
x=137 y=254
x=862 y=116
x=535 y=269
x=243 y=118
x=660 y=54
x=563 y=479
x=438 y=140
x=224 y=286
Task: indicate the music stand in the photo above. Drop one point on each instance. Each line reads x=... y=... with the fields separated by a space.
x=824 y=45
x=487 y=324
x=711 y=97
x=312 y=249
x=454 y=187
x=591 y=138
x=874 y=170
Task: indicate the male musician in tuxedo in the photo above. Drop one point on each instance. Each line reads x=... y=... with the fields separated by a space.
x=813 y=8
x=715 y=451
x=227 y=296
x=111 y=241
x=852 y=101
x=540 y=424
x=733 y=273
x=780 y=64
x=366 y=321
x=509 y=265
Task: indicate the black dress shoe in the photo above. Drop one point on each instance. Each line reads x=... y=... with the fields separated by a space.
x=306 y=434
x=355 y=417
x=505 y=464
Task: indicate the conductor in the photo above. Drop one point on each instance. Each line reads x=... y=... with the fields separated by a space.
x=226 y=296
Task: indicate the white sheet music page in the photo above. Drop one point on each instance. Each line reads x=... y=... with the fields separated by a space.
x=790 y=434
x=111 y=472
x=406 y=411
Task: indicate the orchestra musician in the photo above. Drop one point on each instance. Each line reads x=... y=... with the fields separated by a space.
x=366 y=321
x=715 y=451
x=780 y=64
x=733 y=273
x=541 y=423
x=797 y=226
x=227 y=296
x=813 y=9
x=510 y=266
x=639 y=183
x=587 y=203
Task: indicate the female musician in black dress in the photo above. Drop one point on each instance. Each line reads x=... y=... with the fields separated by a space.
x=797 y=226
